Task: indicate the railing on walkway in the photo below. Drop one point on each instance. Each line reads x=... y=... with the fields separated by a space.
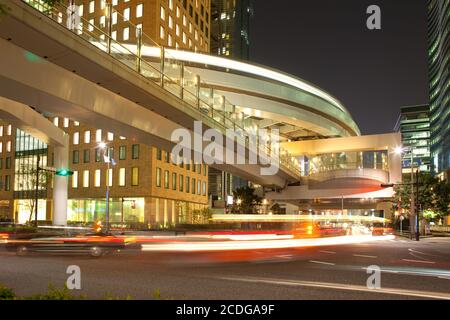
x=138 y=51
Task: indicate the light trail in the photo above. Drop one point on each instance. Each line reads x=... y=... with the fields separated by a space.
x=338 y=286
x=259 y=244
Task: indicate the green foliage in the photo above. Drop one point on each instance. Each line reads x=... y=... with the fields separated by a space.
x=6 y=293
x=56 y=294
x=201 y=216
x=110 y=296
x=157 y=294
x=434 y=195
x=51 y=3
x=248 y=200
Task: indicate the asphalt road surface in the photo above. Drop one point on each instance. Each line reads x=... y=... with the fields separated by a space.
x=409 y=270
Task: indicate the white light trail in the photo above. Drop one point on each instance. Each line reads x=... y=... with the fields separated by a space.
x=260 y=244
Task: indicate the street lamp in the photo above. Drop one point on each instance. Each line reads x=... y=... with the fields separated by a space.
x=399 y=151
x=106 y=157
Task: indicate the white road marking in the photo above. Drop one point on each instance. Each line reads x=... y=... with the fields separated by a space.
x=322 y=262
x=328 y=252
x=338 y=286
x=365 y=256
x=419 y=261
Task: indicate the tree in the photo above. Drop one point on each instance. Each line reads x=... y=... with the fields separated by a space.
x=27 y=184
x=433 y=195
x=441 y=200
x=246 y=200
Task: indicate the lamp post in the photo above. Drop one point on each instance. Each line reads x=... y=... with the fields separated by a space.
x=103 y=146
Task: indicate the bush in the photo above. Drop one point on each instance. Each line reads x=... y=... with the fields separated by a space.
x=56 y=294
x=6 y=293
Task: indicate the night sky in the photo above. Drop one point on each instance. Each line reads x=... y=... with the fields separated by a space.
x=326 y=42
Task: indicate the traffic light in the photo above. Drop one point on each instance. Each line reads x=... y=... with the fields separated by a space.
x=64 y=172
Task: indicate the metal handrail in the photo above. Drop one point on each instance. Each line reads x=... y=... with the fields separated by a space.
x=138 y=63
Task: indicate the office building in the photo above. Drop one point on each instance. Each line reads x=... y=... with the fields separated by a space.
x=146 y=188
x=439 y=77
x=230 y=28
x=181 y=24
x=414 y=126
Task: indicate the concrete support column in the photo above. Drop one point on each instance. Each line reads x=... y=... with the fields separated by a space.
x=60 y=184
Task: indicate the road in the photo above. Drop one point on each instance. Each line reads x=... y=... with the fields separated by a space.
x=410 y=270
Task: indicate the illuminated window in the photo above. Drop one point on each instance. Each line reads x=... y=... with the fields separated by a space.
x=166 y=179
x=8 y=146
x=163 y=13
x=91 y=6
x=184 y=38
x=161 y=32
x=75 y=180
x=135 y=151
x=102 y=21
x=184 y=21
x=56 y=121
x=169 y=41
x=109 y=177
x=204 y=188
x=97 y=178
x=86 y=179
x=114 y=35
x=178 y=30
x=126 y=33
x=171 y=4
x=122 y=177
x=139 y=10
x=174 y=181
x=114 y=17
x=199 y=187
x=76 y=138
x=110 y=136
x=1 y=147
x=170 y=22
x=122 y=152
x=1 y=131
x=75 y=156
x=98 y=135
x=76 y=123
x=158 y=177
x=178 y=12
x=87 y=137
x=66 y=123
x=9 y=130
x=126 y=14
x=134 y=176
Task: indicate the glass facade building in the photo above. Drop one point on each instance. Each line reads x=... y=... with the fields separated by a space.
x=438 y=56
x=414 y=126
x=230 y=28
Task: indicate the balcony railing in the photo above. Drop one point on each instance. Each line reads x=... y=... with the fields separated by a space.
x=137 y=51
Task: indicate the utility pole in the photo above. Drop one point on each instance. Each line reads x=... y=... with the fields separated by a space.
x=413 y=202
x=417 y=206
x=36 y=192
